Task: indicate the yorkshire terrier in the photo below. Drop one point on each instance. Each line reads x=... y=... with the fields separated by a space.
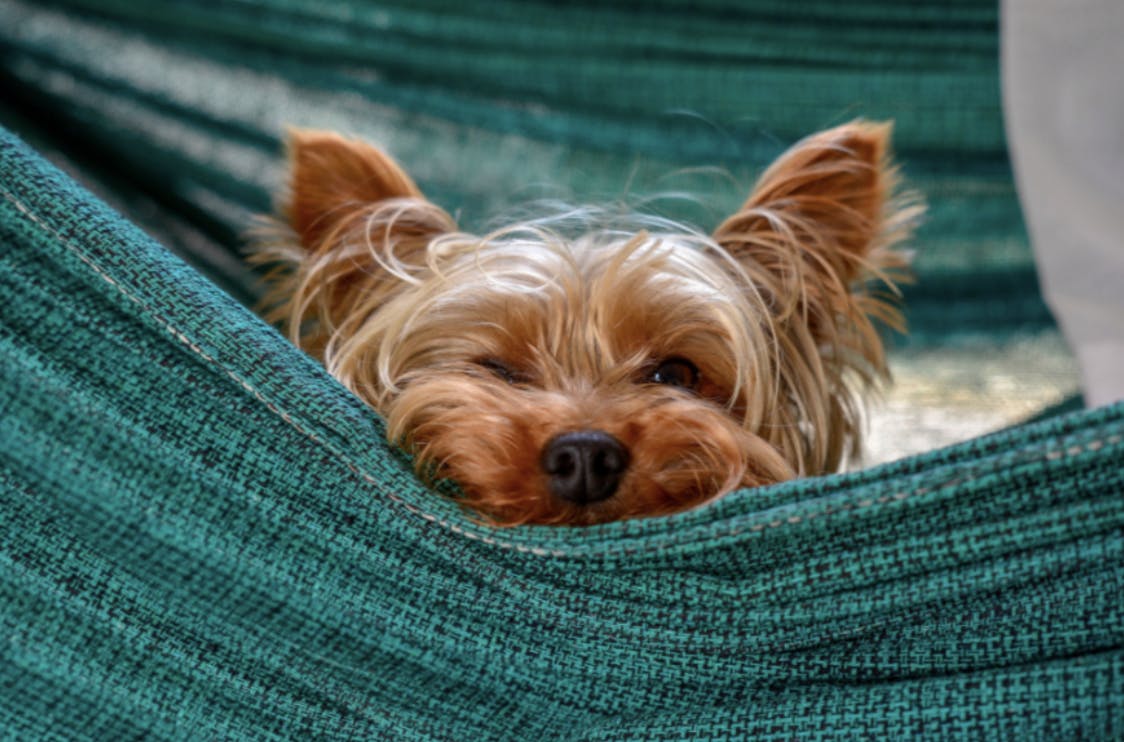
x=566 y=376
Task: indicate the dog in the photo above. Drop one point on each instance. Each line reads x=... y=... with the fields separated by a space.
x=567 y=371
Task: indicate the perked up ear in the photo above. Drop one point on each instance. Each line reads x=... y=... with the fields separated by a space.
x=820 y=222
x=333 y=178
x=821 y=218
x=362 y=228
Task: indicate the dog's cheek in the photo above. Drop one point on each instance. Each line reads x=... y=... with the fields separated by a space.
x=686 y=453
x=485 y=438
x=496 y=468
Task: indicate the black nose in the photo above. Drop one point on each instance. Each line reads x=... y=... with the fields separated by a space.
x=585 y=466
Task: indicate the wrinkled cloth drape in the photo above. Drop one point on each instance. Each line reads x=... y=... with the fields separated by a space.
x=205 y=537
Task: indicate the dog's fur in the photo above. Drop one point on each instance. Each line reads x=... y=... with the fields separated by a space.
x=673 y=366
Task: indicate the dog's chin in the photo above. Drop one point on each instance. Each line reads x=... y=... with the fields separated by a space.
x=677 y=488
x=489 y=439
x=540 y=507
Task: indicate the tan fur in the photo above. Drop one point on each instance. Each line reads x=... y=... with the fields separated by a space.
x=414 y=316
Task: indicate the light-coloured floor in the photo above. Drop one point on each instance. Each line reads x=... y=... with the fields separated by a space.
x=946 y=395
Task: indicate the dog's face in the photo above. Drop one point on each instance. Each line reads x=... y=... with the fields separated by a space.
x=575 y=381
x=570 y=377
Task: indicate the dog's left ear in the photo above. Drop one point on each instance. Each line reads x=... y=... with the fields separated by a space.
x=819 y=219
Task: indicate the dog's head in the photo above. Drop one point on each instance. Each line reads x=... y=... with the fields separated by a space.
x=575 y=376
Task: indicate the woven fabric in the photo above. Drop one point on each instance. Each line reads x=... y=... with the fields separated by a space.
x=205 y=537
x=178 y=108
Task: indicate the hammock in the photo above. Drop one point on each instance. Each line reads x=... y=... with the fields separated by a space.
x=205 y=536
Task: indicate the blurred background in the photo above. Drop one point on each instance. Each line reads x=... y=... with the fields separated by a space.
x=173 y=112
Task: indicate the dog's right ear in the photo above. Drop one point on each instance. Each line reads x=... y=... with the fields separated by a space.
x=362 y=228
x=334 y=181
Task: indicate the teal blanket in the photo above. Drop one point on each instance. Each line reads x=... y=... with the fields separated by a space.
x=205 y=537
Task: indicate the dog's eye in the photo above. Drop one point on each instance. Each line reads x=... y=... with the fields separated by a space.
x=502 y=370
x=676 y=372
